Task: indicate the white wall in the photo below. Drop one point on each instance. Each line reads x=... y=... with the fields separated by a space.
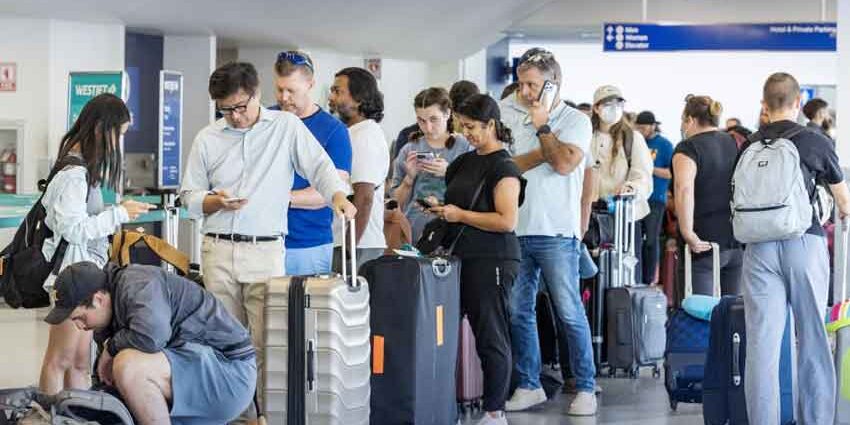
x=843 y=103
x=660 y=81
x=46 y=51
x=77 y=46
x=30 y=101
x=474 y=68
x=400 y=81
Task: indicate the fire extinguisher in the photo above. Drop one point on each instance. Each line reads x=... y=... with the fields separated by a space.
x=9 y=161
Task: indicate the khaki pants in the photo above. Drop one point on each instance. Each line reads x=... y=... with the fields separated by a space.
x=236 y=273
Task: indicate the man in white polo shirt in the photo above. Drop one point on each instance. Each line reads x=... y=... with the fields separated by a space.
x=552 y=144
x=355 y=98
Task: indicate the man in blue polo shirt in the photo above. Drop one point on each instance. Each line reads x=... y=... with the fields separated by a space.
x=662 y=156
x=309 y=243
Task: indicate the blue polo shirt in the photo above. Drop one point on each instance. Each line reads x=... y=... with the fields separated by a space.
x=310 y=228
x=662 y=156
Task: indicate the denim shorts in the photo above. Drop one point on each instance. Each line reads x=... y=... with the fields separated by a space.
x=207 y=387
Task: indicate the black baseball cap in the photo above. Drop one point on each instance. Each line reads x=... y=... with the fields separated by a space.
x=646 y=117
x=74 y=285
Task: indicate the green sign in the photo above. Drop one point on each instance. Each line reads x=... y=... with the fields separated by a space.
x=82 y=86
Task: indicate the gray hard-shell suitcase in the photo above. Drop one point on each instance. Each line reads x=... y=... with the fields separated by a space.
x=317 y=349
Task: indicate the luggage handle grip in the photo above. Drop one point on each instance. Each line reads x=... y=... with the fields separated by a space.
x=736 y=357
x=311 y=366
x=715 y=271
x=349 y=245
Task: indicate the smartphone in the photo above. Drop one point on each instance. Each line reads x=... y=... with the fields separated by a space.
x=425 y=156
x=547 y=94
x=423 y=203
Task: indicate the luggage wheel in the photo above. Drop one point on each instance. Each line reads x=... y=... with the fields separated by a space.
x=634 y=373
x=674 y=404
x=656 y=373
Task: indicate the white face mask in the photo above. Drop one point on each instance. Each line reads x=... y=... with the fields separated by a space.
x=611 y=114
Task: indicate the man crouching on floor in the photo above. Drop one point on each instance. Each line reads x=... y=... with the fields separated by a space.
x=172 y=350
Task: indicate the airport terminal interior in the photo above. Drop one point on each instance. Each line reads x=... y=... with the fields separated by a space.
x=563 y=212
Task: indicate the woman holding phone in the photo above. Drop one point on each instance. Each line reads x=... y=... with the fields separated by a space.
x=484 y=192
x=420 y=167
x=92 y=158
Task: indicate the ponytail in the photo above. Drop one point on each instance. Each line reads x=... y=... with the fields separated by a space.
x=503 y=133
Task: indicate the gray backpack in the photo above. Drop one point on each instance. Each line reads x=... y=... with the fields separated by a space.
x=770 y=201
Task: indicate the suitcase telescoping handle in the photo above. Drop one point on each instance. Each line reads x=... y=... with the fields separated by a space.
x=349 y=250
x=844 y=229
x=624 y=223
x=715 y=271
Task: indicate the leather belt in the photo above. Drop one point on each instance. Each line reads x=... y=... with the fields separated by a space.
x=235 y=237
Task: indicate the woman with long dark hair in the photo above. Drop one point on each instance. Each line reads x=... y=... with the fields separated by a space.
x=483 y=195
x=90 y=158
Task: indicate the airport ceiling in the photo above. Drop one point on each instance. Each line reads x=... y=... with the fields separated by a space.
x=431 y=30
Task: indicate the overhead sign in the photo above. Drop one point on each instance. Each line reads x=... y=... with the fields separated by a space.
x=806 y=36
x=170 y=129
x=83 y=86
x=8 y=76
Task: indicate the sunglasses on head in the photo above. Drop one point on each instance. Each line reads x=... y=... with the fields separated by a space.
x=295 y=58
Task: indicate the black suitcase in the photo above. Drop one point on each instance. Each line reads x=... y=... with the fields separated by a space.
x=415 y=314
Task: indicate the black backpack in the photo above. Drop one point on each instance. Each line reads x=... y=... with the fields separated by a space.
x=23 y=268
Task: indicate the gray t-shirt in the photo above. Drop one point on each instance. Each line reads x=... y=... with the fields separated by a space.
x=425 y=184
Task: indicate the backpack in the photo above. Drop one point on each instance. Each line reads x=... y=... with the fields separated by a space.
x=770 y=201
x=69 y=407
x=23 y=268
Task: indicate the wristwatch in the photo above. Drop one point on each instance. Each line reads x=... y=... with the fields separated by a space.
x=544 y=129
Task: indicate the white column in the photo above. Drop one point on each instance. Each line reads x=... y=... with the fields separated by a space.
x=195 y=57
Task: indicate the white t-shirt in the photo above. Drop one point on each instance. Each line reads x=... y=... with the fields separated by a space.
x=370 y=163
x=552 y=204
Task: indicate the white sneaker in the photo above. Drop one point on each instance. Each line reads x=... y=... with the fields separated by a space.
x=490 y=420
x=523 y=399
x=583 y=405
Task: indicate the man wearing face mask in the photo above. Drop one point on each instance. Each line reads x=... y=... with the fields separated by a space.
x=309 y=243
x=552 y=142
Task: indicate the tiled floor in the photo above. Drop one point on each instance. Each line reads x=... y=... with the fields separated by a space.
x=624 y=401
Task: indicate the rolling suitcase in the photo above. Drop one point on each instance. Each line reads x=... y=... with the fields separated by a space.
x=470 y=377
x=723 y=399
x=636 y=314
x=687 y=343
x=415 y=311
x=317 y=350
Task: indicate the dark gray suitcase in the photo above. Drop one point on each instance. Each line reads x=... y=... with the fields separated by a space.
x=636 y=332
x=415 y=314
x=69 y=407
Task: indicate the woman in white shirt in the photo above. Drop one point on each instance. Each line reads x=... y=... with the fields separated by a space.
x=621 y=160
x=75 y=213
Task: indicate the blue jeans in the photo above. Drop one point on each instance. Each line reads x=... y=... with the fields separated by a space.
x=557 y=258
x=309 y=261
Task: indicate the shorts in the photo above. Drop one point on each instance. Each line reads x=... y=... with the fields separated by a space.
x=207 y=387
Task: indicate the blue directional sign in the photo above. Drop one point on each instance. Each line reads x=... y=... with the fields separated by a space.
x=170 y=129
x=806 y=36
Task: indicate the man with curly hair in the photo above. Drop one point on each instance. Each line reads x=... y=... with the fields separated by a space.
x=356 y=100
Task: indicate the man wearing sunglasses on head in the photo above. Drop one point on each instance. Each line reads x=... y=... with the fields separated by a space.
x=238 y=177
x=309 y=243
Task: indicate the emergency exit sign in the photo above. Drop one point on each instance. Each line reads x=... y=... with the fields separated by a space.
x=8 y=76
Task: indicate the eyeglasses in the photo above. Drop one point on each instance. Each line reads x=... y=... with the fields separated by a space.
x=230 y=110
x=295 y=58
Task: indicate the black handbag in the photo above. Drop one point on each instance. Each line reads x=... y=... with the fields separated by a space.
x=436 y=230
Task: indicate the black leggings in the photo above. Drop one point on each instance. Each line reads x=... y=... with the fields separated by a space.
x=484 y=297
